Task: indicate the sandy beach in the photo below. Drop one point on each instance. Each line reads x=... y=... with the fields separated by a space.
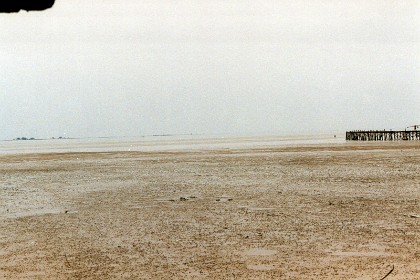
x=307 y=211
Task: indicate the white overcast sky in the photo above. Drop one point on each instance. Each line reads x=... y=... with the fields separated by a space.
x=138 y=67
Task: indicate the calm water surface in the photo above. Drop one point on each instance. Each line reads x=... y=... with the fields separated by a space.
x=162 y=143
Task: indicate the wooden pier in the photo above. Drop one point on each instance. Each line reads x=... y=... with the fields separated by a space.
x=382 y=135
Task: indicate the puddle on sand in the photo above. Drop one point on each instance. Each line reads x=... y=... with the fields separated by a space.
x=360 y=254
x=260 y=209
x=260 y=252
x=37 y=212
x=35 y=274
x=260 y=267
x=256 y=208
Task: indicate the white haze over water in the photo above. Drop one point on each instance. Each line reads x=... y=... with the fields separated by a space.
x=130 y=68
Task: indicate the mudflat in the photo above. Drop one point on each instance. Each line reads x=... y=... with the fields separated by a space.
x=348 y=211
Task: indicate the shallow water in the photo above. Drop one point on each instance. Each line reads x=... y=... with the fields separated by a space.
x=162 y=143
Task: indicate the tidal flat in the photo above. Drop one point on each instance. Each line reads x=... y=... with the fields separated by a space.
x=305 y=211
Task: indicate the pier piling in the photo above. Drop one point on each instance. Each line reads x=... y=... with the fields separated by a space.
x=382 y=135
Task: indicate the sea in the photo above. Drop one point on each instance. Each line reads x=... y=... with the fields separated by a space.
x=157 y=143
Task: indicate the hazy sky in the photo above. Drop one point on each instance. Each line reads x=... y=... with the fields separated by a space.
x=139 y=67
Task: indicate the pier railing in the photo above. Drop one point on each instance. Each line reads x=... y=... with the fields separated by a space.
x=382 y=135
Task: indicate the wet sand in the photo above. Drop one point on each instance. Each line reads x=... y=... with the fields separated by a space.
x=344 y=211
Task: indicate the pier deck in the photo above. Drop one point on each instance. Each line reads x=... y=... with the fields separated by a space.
x=382 y=135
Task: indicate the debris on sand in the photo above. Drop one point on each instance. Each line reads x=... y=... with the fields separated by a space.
x=412 y=216
x=392 y=269
x=182 y=198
